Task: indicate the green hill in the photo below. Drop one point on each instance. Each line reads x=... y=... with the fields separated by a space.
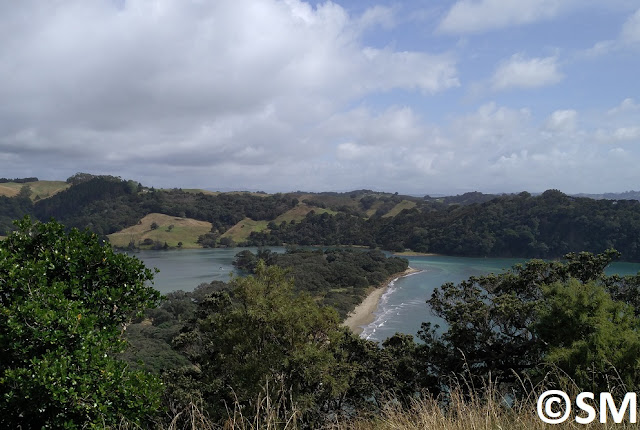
x=173 y=231
x=39 y=189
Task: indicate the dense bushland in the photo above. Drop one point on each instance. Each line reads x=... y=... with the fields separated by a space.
x=262 y=348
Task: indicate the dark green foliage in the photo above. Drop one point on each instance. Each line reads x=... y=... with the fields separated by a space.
x=12 y=208
x=589 y=336
x=106 y=204
x=79 y=178
x=339 y=277
x=473 y=224
x=546 y=226
x=262 y=339
x=151 y=336
x=64 y=301
x=18 y=180
x=559 y=314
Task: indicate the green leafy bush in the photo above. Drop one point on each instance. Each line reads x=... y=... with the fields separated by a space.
x=65 y=300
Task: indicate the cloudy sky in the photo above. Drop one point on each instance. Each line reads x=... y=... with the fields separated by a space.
x=419 y=97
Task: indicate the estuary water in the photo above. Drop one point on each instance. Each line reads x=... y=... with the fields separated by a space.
x=401 y=309
x=185 y=269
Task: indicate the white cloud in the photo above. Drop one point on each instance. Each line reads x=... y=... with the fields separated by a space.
x=627 y=105
x=628 y=37
x=377 y=15
x=192 y=83
x=631 y=29
x=468 y=16
x=282 y=95
x=520 y=72
x=626 y=133
x=562 y=121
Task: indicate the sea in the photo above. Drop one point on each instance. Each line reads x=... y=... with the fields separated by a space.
x=402 y=308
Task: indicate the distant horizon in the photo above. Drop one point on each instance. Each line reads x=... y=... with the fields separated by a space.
x=344 y=191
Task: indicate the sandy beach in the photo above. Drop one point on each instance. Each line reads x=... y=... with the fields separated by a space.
x=363 y=313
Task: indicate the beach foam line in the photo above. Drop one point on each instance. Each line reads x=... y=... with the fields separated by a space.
x=364 y=314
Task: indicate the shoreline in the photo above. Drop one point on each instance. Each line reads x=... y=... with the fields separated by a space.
x=416 y=254
x=363 y=313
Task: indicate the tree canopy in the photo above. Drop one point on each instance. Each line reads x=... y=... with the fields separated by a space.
x=560 y=315
x=65 y=299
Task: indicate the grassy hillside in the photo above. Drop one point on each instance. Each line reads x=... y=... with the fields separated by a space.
x=405 y=204
x=41 y=189
x=185 y=230
x=300 y=211
x=241 y=231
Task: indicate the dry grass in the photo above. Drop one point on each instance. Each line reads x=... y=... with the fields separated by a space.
x=43 y=189
x=299 y=212
x=489 y=410
x=241 y=231
x=185 y=230
x=7 y=190
x=405 y=204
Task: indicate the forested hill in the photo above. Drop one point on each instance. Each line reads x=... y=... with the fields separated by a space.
x=474 y=224
x=547 y=226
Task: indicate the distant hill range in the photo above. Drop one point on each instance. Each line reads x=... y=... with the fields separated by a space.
x=627 y=195
x=129 y=214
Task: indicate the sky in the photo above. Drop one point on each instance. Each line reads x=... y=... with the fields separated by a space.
x=416 y=97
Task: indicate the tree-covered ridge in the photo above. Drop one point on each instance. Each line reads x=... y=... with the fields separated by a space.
x=18 y=180
x=339 y=278
x=546 y=226
x=106 y=204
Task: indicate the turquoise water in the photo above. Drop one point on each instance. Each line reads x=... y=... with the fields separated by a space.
x=402 y=308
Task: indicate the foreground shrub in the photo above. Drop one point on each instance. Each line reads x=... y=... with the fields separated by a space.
x=65 y=299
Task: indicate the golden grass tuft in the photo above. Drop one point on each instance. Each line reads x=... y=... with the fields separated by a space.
x=488 y=410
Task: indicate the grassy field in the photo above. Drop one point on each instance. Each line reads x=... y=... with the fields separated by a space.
x=405 y=204
x=241 y=231
x=42 y=189
x=299 y=212
x=185 y=230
